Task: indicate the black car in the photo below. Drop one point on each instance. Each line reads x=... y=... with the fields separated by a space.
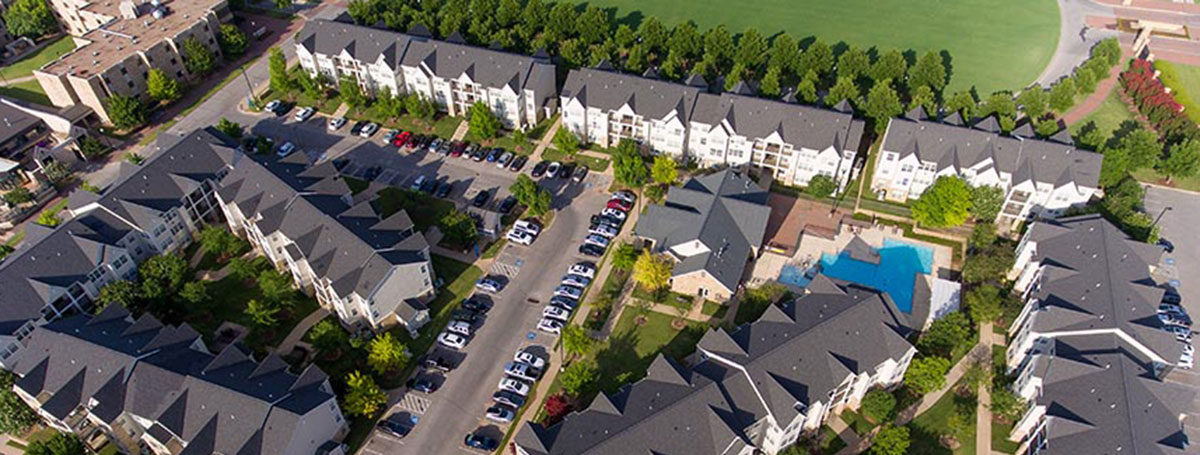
x=566 y=171
x=393 y=426
x=507 y=204
x=423 y=384
x=481 y=199
x=372 y=172
x=438 y=363
x=1171 y=296
x=467 y=316
x=480 y=154
x=603 y=219
x=580 y=174
x=474 y=304
x=588 y=249
x=1166 y=245
x=540 y=168
x=478 y=441
x=518 y=163
x=430 y=184
x=508 y=398
x=444 y=188
x=358 y=126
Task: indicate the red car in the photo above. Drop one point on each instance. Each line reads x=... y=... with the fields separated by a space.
x=457 y=148
x=411 y=141
x=620 y=205
x=401 y=138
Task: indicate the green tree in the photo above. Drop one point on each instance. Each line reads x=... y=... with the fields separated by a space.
x=685 y=40
x=960 y=426
x=818 y=57
x=230 y=128
x=923 y=96
x=162 y=276
x=984 y=303
x=806 y=90
x=195 y=294
x=566 y=141
x=926 y=374
x=752 y=49
x=120 y=292
x=276 y=287
x=1183 y=160
x=947 y=336
x=15 y=415
x=928 y=72
x=785 y=53
x=218 y=241
x=986 y=201
x=821 y=186
x=624 y=257
x=1142 y=148
x=1085 y=81
x=1006 y=404
x=162 y=87
x=459 y=228
x=624 y=37
x=891 y=440
x=326 y=335
x=576 y=342
x=30 y=18
x=1062 y=95
x=853 y=63
x=878 y=405
x=653 y=33
x=983 y=235
x=351 y=93
x=652 y=271
x=629 y=168
x=990 y=264
x=1000 y=103
x=1046 y=128
x=946 y=203
x=277 y=67
x=844 y=89
x=593 y=26
x=125 y=112
x=718 y=45
x=769 y=85
x=386 y=354
x=59 y=444
x=91 y=148
x=1115 y=166
x=882 y=104
x=663 y=170
x=577 y=376
x=363 y=396
x=483 y=123
x=736 y=74
x=529 y=194
x=1034 y=101
x=242 y=269
x=890 y=65
x=962 y=102
x=198 y=58
x=18 y=196
x=261 y=312
x=419 y=107
x=232 y=41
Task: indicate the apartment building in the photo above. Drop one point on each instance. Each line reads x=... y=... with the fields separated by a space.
x=1081 y=276
x=752 y=391
x=155 y=208
x=519 y=89
x=155 y=388
x=711 y=226
x=1040 y=178
x=119 y=41
x=370 y=268
x=32 y=138
x=792 y=142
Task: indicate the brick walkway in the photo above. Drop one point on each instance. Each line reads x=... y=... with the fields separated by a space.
x=1103 y=89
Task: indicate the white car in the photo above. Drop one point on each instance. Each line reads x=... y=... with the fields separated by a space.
x=434 y=144
x=286 y=149
x=552 y=171
x=528 y=226
x=452 y=340
x=553 y=312
x=1185 y=361
x=519 y=237
x=305 y=114
x=514 y=386
x=604 y=230
x=598 y=240
x=459 y=327
x=569 y=292
x=1181 y=333
x=582 y=269
x=521 y=371
x=613 y=213
x=500 y=414
x=487 y=285
x=336 y=123
x=369 y=129
x=550 y=326
x=1188 y=349
x=624 y=196
x=576 y=280
x=529 y=358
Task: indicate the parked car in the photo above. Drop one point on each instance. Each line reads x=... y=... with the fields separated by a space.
x=540 y=168
x=304 y=114
x=504 y=159
x=506 y=205
x=518 y=163
x=1166 y=245
x=550 y=326
x=481 y=199
x=567 y=170
x=604 y=230
x=625 y=195
x=464 y=315
x=598 y=240
x=569 y=291
x=286 y=149
x=487 y=284
x=493 y=155
x=585 y=269
x=372 y=172
x=479 y=154
x=444 y=148
x=1170 y=307
x=336 y=123
x=390 y=136
x=576 y=280
x=443 y=190
x=580 y=173
x=276 y=107
x=416 y=184
x=591 y=250
x=530 y=359
x=1170 y=295
x=508 y=398
x=565 y=302
x=499 y=414
x=554 y=312
x=435 y=143
x=394 y=426
x=529 y=226
x=401 y=138
x=438 y=363
x=515 y=386
x=521 y=371
x=457 y=148
x=430 y=184
x=369 y=129
x=1181 y=333
x=452 y=340
x=460 y=327
x=475 y=303
x=481 y=442
x=358 y=127
x=519 y=237
x=609 y=220
x=620 y=205
x=1186 y=361
x=1171 y=317
x=552 y=170
x=614 y=213
x=423 y=384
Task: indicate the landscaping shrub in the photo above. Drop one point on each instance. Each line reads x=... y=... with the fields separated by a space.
x=1160 y=108
x=1169 y=76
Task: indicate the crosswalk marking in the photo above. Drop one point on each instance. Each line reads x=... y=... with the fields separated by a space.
x=507 y=270
x=413 y=403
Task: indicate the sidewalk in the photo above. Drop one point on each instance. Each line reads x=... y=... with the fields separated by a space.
x=1093 y=101
x=546 y=140
x=299 y=330
x=956 y=372
x=983 y=410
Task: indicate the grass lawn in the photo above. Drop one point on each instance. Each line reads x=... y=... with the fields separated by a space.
x=632 y=347
x=992 y=45
x=229 y=297
x=1000 y=442
x=714 y=309
x=927 y=428
x=830 y=442
x=593 y=163
x=1151 y=176
x=857 y=422
x=754 y=302
x=425 y=210
x=505 y=141
x=28 y=63
x=29 y=91
x=1107 y=118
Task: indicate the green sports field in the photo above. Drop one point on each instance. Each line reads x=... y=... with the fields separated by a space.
x=993 y=44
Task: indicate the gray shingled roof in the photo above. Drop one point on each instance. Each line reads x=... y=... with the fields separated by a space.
x=1102 y=397
x=949 y=145
x=799 y=125
x=1098 y=278
x=364 y=43
x=795 y=353
x=14 y=122
x=153 y=371
x=725 y=211
x=650 y=98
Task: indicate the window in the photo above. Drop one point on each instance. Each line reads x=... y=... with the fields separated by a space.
x=121 y=260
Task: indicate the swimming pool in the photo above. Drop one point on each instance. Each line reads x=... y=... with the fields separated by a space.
x=899 y=262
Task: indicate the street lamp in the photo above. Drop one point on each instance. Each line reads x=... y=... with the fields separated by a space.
x=1159 y=217
x=250 y=89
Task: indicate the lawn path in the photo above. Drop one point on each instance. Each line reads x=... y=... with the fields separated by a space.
x=300 y=329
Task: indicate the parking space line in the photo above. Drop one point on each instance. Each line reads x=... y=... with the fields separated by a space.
x=412 y=403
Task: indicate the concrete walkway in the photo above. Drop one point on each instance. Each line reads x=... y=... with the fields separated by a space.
x=983 y=410
x=956 y=372
x=854 y=443
x=299 y=330
x=16 y=80
x=546 y=140
x=461 y=131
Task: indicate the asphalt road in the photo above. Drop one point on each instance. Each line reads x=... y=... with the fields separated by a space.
x=1181 y=267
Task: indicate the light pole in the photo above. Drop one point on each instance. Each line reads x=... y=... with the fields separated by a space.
x=1159 y=217
x=250 y=89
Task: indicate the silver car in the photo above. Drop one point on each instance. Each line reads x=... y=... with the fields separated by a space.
x=576 y=280
x=569 y=292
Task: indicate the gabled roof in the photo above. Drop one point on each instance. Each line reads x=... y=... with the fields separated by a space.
x=365 y=44
x=796 y=124
x=609 y=90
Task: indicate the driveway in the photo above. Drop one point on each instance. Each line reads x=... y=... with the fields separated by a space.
x=1074 y=44
x=1182 y=266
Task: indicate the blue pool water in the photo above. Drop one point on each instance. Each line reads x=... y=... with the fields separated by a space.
x=899 y=262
